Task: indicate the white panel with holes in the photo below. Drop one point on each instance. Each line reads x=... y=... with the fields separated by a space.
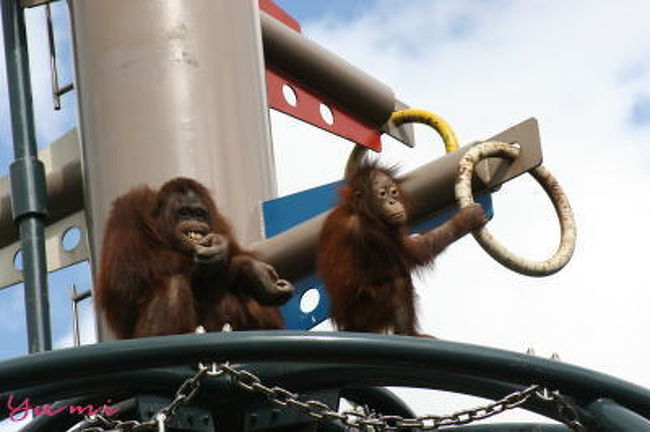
x=65 y=244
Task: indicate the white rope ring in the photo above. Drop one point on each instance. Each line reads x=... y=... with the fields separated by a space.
x=464 y=198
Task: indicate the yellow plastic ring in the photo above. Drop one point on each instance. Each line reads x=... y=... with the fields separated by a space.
x=412 y=115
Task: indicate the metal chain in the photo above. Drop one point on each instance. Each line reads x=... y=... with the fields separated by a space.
x=366 y=420
x=184 y=394
x=319 y=410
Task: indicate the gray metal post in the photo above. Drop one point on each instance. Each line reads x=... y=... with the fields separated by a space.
x=173 y=88
x=27 y=176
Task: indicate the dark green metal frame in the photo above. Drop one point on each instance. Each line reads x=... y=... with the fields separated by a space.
x=304 y=361
x=27 y=176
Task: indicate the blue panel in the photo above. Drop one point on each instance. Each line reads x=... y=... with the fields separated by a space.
x=294 y=317
x=283 y=213
x=280 y=214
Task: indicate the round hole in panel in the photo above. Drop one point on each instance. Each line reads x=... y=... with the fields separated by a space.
x=18 y=260
x=290 y=95
x=309 y=300
x=326 y=114
x=71 y=238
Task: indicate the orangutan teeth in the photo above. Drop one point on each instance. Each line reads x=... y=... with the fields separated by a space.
x=194 y=236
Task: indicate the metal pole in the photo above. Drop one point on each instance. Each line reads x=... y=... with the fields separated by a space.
x=172 y=88
x=75 y=316
x=27 y=176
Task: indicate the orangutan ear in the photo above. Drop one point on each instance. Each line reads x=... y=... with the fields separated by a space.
x=349 y=193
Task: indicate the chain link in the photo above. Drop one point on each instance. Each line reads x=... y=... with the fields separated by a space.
x=319 y=410
x=184 y=394
x=364 y=421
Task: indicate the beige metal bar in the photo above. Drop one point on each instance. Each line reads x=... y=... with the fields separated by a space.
x=431 y=188
x=314 y=66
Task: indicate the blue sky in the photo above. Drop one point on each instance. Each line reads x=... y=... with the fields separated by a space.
x=306 y=11
x=640 y=112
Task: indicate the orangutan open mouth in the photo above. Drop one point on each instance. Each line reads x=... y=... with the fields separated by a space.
x=194 y=236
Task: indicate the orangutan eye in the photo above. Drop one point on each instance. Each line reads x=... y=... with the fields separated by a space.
x=200 y=213
x=393 y=192
x=382 y=193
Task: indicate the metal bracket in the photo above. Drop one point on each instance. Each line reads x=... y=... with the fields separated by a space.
x=496 y=171
x=403 y=133
x=188 y=418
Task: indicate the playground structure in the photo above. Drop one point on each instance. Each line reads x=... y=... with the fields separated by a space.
x=173 y=112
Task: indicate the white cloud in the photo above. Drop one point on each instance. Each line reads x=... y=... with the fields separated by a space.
x=577 y=66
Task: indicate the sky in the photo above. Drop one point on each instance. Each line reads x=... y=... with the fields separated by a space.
x=49 y=125
x=487 y=65
x=582 y=68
